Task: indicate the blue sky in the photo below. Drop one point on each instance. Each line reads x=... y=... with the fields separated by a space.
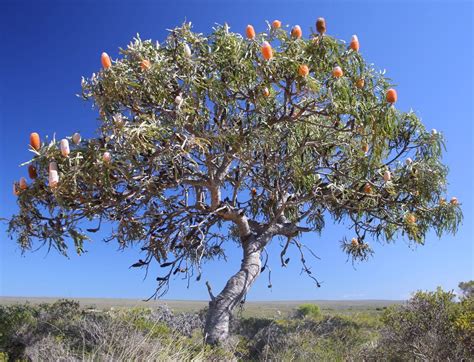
x=426 y=47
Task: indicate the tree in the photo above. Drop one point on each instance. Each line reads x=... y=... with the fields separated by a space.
x=467 y=288
x=208 y=139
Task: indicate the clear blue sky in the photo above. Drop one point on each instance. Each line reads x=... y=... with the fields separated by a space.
x=426 y=47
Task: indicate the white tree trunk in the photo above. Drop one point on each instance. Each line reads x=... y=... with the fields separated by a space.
x=220 y=308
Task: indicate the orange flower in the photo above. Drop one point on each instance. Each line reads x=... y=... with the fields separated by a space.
x=267 y=51
x=365 y=147
x=276 y=24
x=303 y=70
x=23 y=183
x=105 y=59
x=321 y=25
x=360 y=83
x=354 y=45
x=35 y=141
x=367 y=188
x=410 y=218
x=145 y=64
x=266 y=92
x=296 y=32
x=337 y=72
x=454 y=201
x=391 y=96
x=355 y=242
x=250 y=31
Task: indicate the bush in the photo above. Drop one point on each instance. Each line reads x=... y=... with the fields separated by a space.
x=62 y=331
x=431 y=326
x=308 y=311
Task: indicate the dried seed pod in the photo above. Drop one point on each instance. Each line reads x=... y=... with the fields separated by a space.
x=53 y=178
x=32 y=172
x=76 y=138
x=53 y=166
x=64 y=146
x=187 y=51
x=321 y=25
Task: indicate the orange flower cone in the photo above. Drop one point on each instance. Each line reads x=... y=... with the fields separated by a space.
x=105 y=59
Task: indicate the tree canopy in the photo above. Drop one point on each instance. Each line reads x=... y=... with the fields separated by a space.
x=271 y=132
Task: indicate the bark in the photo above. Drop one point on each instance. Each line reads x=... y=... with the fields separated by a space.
x=220 y=308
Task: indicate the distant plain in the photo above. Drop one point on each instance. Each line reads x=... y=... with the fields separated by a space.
x=250 y=308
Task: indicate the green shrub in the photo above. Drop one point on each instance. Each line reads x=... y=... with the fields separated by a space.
x=431 y=326
x=308 y=311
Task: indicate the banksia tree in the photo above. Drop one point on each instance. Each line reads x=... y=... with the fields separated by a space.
x=214 y=140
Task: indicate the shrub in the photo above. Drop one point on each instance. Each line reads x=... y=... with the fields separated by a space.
x=429 y=327
x=62 y=331
x=308 y=311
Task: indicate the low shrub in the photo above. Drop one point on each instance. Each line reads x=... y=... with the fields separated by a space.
x=62 y=331
x=308 y=311
x=430 y=326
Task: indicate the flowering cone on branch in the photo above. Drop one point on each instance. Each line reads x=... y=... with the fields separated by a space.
x=296 y=32
x=182 y=150
x=354 y=45
x=321 y=25
x=105 y=60
x=303 y=70
x=35 y=141
x=250 y=32
x=267 y=51
x=391 y=96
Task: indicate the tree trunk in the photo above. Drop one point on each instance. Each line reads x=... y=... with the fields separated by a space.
x=220 y=308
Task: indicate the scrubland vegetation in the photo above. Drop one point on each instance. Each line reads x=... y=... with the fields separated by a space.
x=430 y=326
